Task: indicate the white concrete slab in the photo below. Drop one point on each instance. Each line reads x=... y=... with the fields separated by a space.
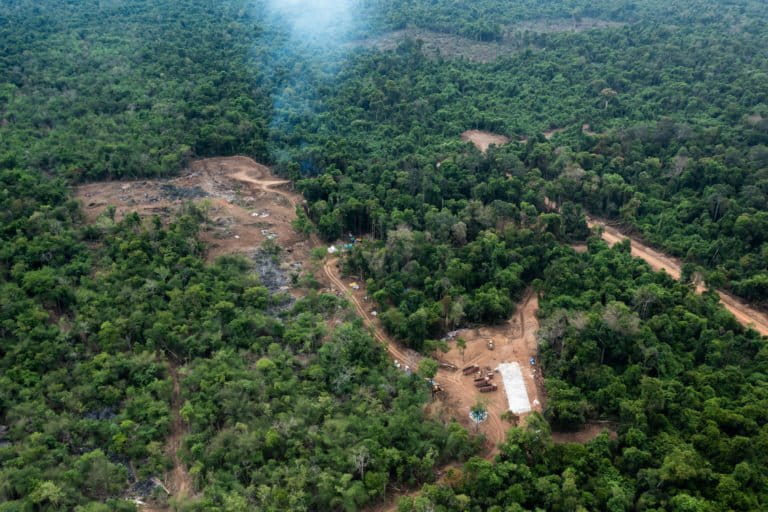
x=514 y=385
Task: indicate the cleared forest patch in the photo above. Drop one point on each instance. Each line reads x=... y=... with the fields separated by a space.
x=547 y=26
x=514 y=341
x=454 y=46
x=439 y=44
x=548 y=134
x=484 y=140
x=245 y=204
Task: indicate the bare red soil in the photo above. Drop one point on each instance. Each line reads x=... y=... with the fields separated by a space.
x=551 y=133
x=514 y=341
x=246 y=204
x=484 y=140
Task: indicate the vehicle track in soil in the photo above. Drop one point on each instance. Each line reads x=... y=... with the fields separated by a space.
x=179 y=480
x=493 y=429
x=330 y=268
x=455 y=383
x=459 y=388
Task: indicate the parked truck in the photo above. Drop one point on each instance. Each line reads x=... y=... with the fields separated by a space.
x=470 y=369
x=447 y=366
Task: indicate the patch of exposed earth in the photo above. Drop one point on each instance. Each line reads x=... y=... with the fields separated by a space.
x=245 y=204
x=514 y=341
x=484 y=140
x=548 y=134
x=586 y=434
x=743 y=312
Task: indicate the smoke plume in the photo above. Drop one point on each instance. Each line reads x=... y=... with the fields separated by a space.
x=323 y=23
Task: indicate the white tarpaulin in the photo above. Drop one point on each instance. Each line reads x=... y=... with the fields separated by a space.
x=514 y=385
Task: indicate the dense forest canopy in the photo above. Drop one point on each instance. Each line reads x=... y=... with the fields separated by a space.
x=106 y=327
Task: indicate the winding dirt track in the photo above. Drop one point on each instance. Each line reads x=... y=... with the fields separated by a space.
x=266 y=185
x=515 y=341
x=395 y=350
x=745 y=314
x=455 y=384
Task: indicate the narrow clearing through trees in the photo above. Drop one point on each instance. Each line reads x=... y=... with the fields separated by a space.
x=744 y=314
x=179 y=481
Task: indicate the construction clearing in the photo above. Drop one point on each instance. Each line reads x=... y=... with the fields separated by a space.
x=514 y=342
x=245 y=204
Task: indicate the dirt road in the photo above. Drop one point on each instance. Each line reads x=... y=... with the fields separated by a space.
x=178 y=481
x=514 y=340
x=397 y=351
x=745 y=314
x=265 y=185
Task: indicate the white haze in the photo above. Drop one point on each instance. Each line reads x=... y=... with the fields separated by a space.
x=311 y=46
x=316 y=22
